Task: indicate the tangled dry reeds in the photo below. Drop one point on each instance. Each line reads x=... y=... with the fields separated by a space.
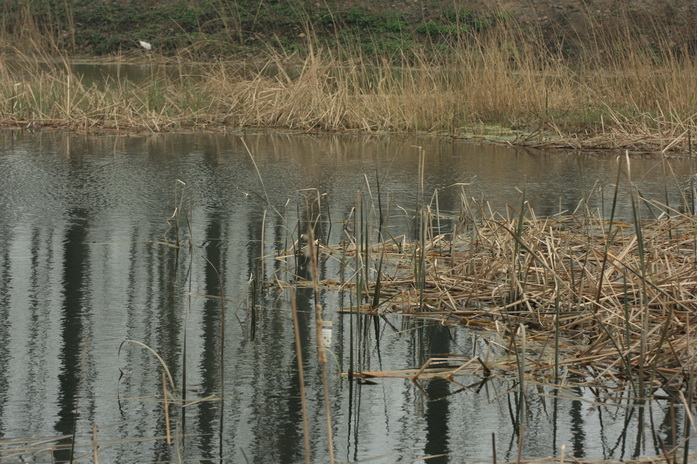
x=596 y=300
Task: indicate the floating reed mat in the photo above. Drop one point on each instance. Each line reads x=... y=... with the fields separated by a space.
x=589 y=297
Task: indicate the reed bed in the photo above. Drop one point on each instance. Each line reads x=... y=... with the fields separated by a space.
x=508 y=80
x=582 y=298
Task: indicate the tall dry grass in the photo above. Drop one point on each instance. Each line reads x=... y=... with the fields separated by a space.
x=619 y=92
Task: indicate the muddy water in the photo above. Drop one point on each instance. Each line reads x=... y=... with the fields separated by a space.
x=83 y=269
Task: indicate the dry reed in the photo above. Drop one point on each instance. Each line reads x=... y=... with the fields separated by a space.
x=508 y=78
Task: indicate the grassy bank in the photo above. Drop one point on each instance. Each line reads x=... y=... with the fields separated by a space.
x=621 y=90
x=222 y=27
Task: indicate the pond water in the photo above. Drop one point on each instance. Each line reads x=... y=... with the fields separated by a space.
x=83 y=269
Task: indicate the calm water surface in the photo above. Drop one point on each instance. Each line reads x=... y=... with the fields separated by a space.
x=81 y=271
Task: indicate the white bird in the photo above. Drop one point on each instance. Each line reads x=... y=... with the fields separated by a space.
x=145 y=45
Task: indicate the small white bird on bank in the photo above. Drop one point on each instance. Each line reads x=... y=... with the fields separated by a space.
x=145 y=45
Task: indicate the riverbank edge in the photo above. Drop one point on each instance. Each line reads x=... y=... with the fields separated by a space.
x=524 y=108
x=494 y=136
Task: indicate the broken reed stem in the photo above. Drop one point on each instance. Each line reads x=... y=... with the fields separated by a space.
x=165 y=404
x=95 y=447
x=421 y=224
x=643 y=299
x=521 y=438
x=521 y=376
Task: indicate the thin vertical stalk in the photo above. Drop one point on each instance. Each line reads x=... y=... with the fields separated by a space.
x=165 y=405
x=314 y=266
x=521 y=437
x=355 y=319
x=636 y=218
x=95 y=442
x=261 y=248
x=421 y=214
x=438 y=226
x=381 y=222
x=521 y=374
x=365 y=243
x=252 y=294
x=609 y=236
x=67 y=98
x=420 y=260
x=185 y=336
x=690 y=397
x=666 y=198
x=557 y=329
x=518 y=265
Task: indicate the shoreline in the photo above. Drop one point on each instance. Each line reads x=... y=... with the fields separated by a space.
x=237 y=131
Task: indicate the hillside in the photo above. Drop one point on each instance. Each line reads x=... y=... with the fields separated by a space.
x=209 y=28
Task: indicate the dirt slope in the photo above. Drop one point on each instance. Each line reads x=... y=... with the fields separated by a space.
x=575 y=19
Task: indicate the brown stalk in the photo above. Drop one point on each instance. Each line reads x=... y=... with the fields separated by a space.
x=165 y=404
x=95 y=447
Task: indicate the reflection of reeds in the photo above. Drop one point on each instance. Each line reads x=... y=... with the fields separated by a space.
x=301 y=377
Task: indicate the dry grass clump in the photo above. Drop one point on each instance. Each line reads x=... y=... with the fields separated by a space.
x=47 y=92
x=491 y=82
x=640 y=96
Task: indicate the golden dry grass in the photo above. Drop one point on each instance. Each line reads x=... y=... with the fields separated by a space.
x=639 y=97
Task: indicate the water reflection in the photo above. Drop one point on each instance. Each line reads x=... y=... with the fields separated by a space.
x=437 y=414
x=212 y=336
x=578 y=436
x=5 y=340
x=73 y=334
x=84 y=268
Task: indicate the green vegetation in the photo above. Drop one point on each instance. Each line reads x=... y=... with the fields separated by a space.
x=231 y=27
